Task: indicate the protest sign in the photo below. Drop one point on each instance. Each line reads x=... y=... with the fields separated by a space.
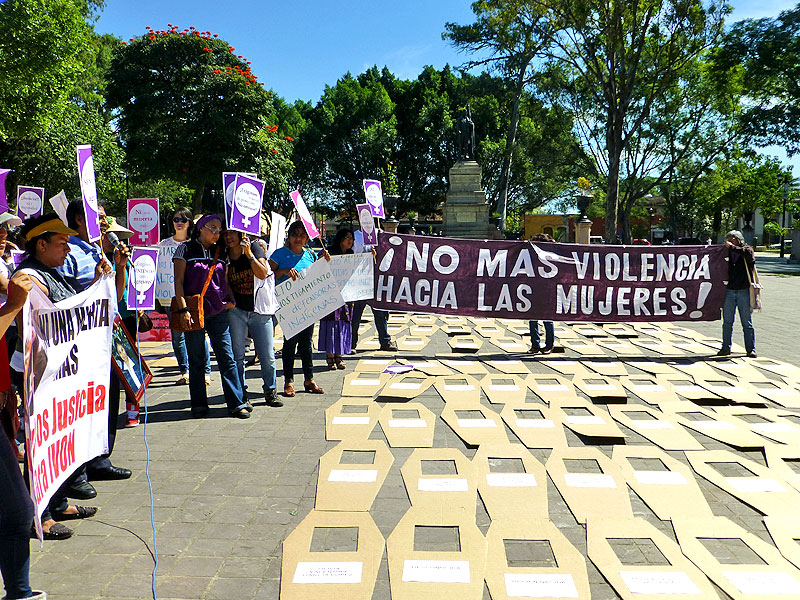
x=549 y=281
x=59 y=203
x=144 y=219
x=18 y=256
x=305 y=301
x=246 y=210
x=30 y=202
x=88 y=191
x=67 y=350
x=305 y=216
x=367 y=222
x=228 y=179
x=3 y=195
x=374 y=195
x=354 y=274
x=277 y=233
x=165 y=273
x=142 y=279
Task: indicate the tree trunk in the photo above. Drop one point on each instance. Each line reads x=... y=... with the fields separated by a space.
x=197 y=199
x=511 y=134
x=612 y=192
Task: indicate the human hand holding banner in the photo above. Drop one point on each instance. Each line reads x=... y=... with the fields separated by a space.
x=144 y=219
x=142 y=279
x=88 y=191
x=305 y=216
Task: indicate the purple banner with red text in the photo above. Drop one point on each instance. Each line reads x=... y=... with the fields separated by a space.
x=549 y=281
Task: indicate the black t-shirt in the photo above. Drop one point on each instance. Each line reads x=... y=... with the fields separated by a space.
x=240 y=278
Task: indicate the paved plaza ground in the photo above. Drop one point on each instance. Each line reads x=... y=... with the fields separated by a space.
x=227 y=492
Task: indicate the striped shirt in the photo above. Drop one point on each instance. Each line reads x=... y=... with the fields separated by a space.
x=81 y=261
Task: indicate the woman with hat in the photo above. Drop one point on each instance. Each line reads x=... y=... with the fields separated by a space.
x=192 y=261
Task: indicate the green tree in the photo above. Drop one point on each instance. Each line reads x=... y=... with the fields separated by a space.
x=189 y=109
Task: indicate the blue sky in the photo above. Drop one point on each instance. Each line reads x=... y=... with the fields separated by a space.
x=298 y=47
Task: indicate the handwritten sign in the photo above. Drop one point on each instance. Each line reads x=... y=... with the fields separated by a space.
x=165 y=275
x=305 y=216
x=305 y=301
x=367 y=222
x=30 y=202
x=374 y=195
x=246 y=210
x=354 y=276
x=88 y=191
x=143 y=218
x=142 y=279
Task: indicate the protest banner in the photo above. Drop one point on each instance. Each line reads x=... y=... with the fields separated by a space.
x=30 y=202
x=374 y=195
x=228 y=179
x=67 y=350
x=549 y=281
x=248 y=193
x=367 y=222
x=305 y=216
x=88 y=191
x=165 y=273
x=3 y=195
x=59 y=203
x=354 y=274
x=277 y=233
x=160 y=331
x=142 y=279
x=144 y=219
x=305 y=301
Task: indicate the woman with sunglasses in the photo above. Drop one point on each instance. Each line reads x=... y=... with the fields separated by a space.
x=181 y=225
x=192 y=261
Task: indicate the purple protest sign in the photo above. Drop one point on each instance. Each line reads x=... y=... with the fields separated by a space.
x=549 y=281
x=142 y=279
x=18 y=256
x=374 y=195
x=30 y=202
x=367 y=222
x=228 y=180
x=3 y=196
x=88 y=191
x=144 y=219
x=248 y=193
x=305 y=216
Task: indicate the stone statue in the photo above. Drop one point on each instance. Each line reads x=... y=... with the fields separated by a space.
x=465 y=136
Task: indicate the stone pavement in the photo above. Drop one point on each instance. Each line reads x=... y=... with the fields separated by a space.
x=227 y=491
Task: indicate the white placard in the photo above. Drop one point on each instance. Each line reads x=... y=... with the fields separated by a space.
x=404 y=386
x=535 y=423
x=511 y=479
x=305 y=301
x=353 y=475
x=763 y=583
x=660 y=477
x=544 y=585
x=340 y=420
x=755 y=484
x=552 y=387
x=585 y=420
x=476 y=423
x=443 y=484
x=659 y=582
x=589 y=480
x=600 y=387
x=712 y=425
x=504 y=388
x=650 y=387
x=365 y=382
x=436 y=571
x=651 y=424
x=410 y=423
x=277 y=231
x=328 y=572
x=354 y=275
x=458 y=388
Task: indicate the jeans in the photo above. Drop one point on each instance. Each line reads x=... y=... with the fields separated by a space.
x=381 y=324
x=262 y=333
x=179 y=348
x=218 y=329
x=300 y=344
x=738 y=299
x=16 y=516
x=549 y=334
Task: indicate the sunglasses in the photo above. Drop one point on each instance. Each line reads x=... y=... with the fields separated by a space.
x=213 y=229
x=180 y=220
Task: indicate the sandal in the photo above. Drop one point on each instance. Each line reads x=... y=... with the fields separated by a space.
x=337 y=359
x=331 y=364
x=183 y=379
x=311 y=386
x=83 y=512
x=57 y=532
x=288 y=390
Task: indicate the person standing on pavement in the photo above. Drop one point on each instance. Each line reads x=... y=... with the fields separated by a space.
x=253 y=286
x=381 y=316
x=741 y=263
x=335 y=329
x=549 y=328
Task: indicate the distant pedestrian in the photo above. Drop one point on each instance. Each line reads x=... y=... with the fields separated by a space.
x=549 y=328
x=741 y=264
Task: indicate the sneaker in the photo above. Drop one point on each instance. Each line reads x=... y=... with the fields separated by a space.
x=240 y=414
x=132 y=423
x=389 y=346
x=547 y=350
x=724 y=352
x=533 y=350
x=272 y=399
x=752 y=354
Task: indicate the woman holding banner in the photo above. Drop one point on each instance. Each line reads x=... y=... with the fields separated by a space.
x=202 y=259
x=335 y=329
x=286 y=263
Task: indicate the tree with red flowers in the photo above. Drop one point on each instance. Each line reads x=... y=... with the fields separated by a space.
x=189 y=108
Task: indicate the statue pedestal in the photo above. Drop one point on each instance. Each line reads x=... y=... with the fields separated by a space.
x=583 y=230
x=466 y=210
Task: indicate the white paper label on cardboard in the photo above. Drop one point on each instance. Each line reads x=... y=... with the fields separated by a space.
x=688 y=388
x=405 y=386
x=436 y=571
x=544 y=585
x=365 y=382
x=659 y=582
x=660 y=477
x=328 y=572
x=443 y=484
x=585 y=420
x=476 y=423
x=712 y=425
x=755 y=484
x=353 y=475
x=373 y=361
x=511 y=479
x=414 y=423
x=650 y=387
x=763 y=583
x=339 y=420
x=773 y=428
x=589 y=480
x=614 y=346
x=600 y=387
x=504 y=388
x=552 y=387
x=458 y=388
x=650 y=424
x=535 y=423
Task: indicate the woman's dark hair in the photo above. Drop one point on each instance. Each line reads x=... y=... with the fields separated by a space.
x=336 y=245
x=294 y=227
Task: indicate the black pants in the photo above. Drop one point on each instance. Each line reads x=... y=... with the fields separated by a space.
x=16 y=515
x=299 y=344
x=358 y=310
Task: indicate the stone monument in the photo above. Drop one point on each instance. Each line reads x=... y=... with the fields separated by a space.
x=466 y=210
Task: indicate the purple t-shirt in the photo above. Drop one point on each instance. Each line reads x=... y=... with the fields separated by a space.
x=198 y=262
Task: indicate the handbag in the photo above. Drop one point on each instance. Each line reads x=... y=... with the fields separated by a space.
x=755 y=287
x=195 y=305
x=145 y=323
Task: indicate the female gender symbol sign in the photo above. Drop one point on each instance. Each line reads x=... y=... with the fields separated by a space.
x=142 y=279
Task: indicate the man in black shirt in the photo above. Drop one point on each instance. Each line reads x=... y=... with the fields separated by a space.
x=741 y=263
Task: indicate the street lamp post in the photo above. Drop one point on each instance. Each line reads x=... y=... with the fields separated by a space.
x=783 y=217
